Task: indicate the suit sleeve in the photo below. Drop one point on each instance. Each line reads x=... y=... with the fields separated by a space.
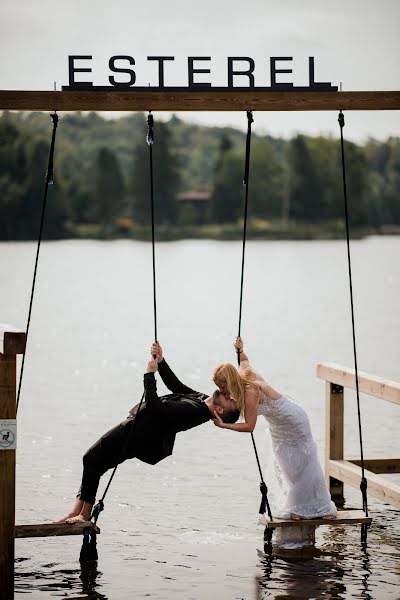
x=171 y=380
x=150 y=390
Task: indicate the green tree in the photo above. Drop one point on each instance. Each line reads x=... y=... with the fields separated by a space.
x=108 y=188
x=305 y=184
x=166 y=179
x=29 y=210
x=266 y=184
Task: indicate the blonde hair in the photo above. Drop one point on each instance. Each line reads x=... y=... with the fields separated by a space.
x=235 y=383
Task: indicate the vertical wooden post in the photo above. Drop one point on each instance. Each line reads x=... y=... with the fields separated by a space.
x=11 y=344
x=334 y=437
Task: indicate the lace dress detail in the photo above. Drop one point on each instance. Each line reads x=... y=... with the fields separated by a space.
x=304 y=492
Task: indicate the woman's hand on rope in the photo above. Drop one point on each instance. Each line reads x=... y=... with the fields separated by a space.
x=152 y=365
x=156 y=351
x=218 y=421
x=238 y=344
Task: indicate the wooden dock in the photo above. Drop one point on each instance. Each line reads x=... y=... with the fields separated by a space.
x=339 y=470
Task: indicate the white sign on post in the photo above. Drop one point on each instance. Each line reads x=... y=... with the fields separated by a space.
x=8 y=434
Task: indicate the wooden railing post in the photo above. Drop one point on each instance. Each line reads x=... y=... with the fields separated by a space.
x=12 y=342
x=334 y=437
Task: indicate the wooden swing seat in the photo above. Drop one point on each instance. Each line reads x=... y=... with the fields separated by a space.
x=53 y=529
x=344 y=517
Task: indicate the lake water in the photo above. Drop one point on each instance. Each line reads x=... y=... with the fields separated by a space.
x=187 y=528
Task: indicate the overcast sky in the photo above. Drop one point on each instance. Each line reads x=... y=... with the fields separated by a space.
x=356 y=42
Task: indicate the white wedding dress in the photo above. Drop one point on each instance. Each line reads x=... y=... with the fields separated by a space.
x=304 y=492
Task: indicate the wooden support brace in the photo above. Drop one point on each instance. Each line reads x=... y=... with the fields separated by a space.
x=334 y=415
x=197 y=100
x=383 y=489
x=379 y=465
x=369 y=384
x=12 y=342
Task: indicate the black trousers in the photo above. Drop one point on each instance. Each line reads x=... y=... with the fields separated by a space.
x=113 y=448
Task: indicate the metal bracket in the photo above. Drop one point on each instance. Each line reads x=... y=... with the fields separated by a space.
x=336 y=389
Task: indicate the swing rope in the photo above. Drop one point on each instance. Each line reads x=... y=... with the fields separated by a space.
x=150 y=140
x=363 y=483
x=48 y=181
x=264 y=505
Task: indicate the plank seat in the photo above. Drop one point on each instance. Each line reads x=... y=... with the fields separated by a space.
x=53 y=529
x=344 y=517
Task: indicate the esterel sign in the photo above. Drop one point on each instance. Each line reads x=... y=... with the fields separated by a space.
x=240 y=69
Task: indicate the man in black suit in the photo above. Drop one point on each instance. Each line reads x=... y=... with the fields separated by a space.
x=148 y=433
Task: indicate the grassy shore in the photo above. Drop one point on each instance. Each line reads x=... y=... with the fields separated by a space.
x=262 y=230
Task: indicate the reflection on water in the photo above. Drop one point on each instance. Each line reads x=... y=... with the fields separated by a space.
x=186 y=528
x=83 y=581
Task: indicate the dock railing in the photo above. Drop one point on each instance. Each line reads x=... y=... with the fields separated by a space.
x=339 y=470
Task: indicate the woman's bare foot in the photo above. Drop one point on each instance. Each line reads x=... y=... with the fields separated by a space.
x=78 y=506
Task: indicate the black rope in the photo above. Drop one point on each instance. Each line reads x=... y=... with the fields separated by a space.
x=264 y=505
x=363 y=484
x=150 y=140
x=48 y=181
x=250 y=120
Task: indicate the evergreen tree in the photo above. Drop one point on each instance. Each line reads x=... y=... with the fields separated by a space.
x=108 y=188
x=305 y=185
x=165 y=178
x=265 y=184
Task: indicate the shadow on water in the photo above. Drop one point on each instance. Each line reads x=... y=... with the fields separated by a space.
x=83 y=581
x=312 y=573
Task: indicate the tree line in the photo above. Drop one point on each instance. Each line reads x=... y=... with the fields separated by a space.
x=102 y=176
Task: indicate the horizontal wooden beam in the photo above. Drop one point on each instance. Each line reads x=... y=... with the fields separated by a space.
x=344 y=517
x=52 y=529
x=165 y=100
x=383 y=489
x=12 y=340
x=379 y=465
x=369 y=384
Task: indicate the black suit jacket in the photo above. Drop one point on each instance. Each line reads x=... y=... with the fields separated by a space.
x=161 y=417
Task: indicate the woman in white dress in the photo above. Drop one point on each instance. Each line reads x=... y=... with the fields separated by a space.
x=299 y=473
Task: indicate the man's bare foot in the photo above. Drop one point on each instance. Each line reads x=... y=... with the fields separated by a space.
x=78 y=519
x=68 y=516
x=78 y=506
x=329 y=517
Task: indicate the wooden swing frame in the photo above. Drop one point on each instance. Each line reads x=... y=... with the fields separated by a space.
x=12 y=341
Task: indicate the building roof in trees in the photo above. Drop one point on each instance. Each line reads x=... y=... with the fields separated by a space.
x=193 y=196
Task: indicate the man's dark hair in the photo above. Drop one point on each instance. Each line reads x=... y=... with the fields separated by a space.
x=230 y=415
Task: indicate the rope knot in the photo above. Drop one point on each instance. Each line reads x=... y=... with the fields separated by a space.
x=363 y=488
x=97 y=510
x=54 y=119
x=250 y=120
x=150 y=130
x=341 y=119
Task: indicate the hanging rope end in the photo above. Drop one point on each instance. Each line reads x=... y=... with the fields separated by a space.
x=97 y=510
